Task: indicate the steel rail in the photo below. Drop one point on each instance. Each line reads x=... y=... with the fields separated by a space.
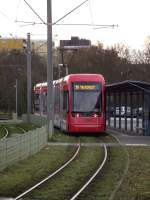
x=22 y=129
x=112 y=195
x=5 y=136
x=51 y=175
x=93 y=176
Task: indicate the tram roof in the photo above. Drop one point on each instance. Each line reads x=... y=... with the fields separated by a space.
x=128 y=86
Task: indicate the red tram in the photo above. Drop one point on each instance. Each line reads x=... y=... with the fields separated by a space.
x=78 y=102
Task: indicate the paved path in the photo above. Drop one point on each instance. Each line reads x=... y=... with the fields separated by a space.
x=83 y=144
x=131 y=140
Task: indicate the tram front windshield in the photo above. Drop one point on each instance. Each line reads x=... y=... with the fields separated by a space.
x=86 y=97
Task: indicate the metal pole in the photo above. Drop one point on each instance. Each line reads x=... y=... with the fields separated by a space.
x=119 y=98
x=66 y=66
x=28 y=77
x=108 y=114
x=41 y=101
x=125 y=102
x=16 y=97
x=49 y=71
x=59 y=72
x=143 y=111
x=131 y=105
x=138 y=105
x=115 y=105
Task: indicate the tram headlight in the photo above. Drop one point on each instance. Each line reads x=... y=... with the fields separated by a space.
x=78 y=115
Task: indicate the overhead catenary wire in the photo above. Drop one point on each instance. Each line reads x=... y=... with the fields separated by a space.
x=43 y=22
x=31 y=23
x=91 y=13
x=69 y=24
x=35 y=12
x=7 y=17
x=4 y=15
x=17 y=9
x=90 y=24
x=95 y=26
x=70 y=12
x=106 y=26
x=28 y=22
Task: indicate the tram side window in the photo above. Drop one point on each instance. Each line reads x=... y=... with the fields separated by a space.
x=57 y=99
x=44 y=101
x=36 y=96
x=36 y=101
x=65 y=101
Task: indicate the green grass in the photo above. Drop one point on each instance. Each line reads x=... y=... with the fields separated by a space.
x=12 y=129
x=136 y=185
x=27 y=126
x=16 y=128
x=97 y=137
x=64 y=185
x=2 y=132
x=21 y=176
x=106 y=181
x=62 y=137
x=74 y=176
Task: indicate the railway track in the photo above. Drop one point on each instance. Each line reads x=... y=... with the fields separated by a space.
x=29 y=194
x=22 y=129
x=119 y=183
x=6 y=134
x=92 y=177
x=97 y=190
x=87 y=175
x=50 y=175
x=9 y=130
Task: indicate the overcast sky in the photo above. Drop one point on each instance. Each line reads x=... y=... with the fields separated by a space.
x=132 y=17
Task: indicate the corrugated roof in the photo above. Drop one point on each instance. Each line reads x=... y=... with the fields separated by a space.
x=128 y=86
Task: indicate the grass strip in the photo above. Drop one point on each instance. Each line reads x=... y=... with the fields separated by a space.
x=106 y=181
x=13 y=130
x=25 y=174
x=27 y=126
x=90 y=137
x=2 y=132
x=63 y=137
x=136 y=185
x=64 y=185
x=16 y=128
x=21 y=176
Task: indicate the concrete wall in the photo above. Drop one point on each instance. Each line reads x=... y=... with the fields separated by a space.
x=21 y=146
